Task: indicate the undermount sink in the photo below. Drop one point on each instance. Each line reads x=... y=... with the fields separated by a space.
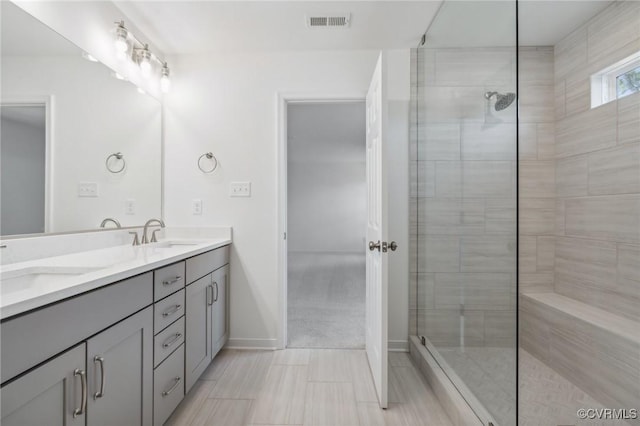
x=39 y=277
x=176 y=243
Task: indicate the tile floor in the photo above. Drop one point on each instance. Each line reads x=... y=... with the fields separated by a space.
x=326 y=300
x=328 y=387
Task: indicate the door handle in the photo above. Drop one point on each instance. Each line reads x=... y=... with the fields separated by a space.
x=100 y=393
x=393 y=246
x=215 y=298
x=373 y=246
x=209 y=295
x=83 y=404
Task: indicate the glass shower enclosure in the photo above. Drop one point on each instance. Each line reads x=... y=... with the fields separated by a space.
x=464 y=201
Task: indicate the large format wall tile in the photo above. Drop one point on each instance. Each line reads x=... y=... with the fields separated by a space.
x=488 y=143
x=488 y=254
x=474 y=67
x=500 y=216
x=490 y=179
x=616 y=26
x=571 y=53
x=587 y=131
x=537 y=179
x=537 y=216
x=473 y=291
x=535 y=105
x=439 y=141
x=450 y=216
x=615 y=171
x=536 y=65
x=571 y=176
x=615 y=217
x=629 y=119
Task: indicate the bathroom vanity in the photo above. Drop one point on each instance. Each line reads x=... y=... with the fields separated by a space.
x=111 y=345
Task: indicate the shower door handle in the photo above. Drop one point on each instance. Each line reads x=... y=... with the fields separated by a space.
x=373 y=246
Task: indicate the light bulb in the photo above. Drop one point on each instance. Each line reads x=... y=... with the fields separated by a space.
x=121 y=42
x=144 y=61
x=165 y=81
x=165 y=84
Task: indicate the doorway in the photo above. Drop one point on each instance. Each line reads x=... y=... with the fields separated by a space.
x=326 y=224
x=24 y=160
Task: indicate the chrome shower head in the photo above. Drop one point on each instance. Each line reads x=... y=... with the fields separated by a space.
x=502 y=101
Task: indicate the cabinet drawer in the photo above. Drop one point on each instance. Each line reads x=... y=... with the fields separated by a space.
x=201 y=265
x=167 y=341
x=168 y=280
x=168 y=386
x=32 y=338
x=167 y=311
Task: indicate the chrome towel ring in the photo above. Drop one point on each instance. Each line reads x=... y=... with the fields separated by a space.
x=117 y=156
x=209 y=156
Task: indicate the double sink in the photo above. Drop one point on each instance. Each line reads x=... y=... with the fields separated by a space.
x=44 y=278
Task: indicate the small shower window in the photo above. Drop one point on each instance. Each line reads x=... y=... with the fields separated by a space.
x=616 y=81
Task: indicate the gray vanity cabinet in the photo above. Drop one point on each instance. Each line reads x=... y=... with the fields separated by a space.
x=120 y=373
x=219 y=323
x=198 y=329
x=49 y=394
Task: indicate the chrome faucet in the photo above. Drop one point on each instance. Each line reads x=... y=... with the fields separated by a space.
x=145 y=240
x=107 y=220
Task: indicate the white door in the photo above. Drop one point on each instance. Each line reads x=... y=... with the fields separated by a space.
x=377 y=270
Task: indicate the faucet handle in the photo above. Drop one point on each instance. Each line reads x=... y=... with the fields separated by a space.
x=153 y=235
x=136 y=241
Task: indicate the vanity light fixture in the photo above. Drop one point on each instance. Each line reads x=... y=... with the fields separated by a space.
x=165 y=81
x=141 y=55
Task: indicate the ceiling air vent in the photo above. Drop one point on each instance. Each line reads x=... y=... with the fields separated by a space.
x=333 y=21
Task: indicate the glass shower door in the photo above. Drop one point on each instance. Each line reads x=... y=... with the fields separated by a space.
x=464 y=201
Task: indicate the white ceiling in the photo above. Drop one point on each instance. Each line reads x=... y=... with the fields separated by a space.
x=22 y=34
x=492 y=23
x=179 y=27
x=183 y=27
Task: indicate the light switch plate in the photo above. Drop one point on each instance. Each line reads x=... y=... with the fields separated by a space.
x=87 y=189
x=240 y=189
x=130 y=206
x=196 y=207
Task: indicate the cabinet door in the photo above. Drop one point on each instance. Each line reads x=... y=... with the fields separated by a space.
x=48 y=395
x=219 y=325
x=120 y=373
x=198 y=329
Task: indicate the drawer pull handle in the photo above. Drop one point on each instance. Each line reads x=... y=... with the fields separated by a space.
x=100 y=393
x=172 y=280
x=209 y=295
x=83 y=381
x=215 y=284
x=177 y=380
x=171 y=311
x=172 y=340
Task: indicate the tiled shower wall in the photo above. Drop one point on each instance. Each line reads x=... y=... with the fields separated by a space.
x=598 y=168
x=463 y=198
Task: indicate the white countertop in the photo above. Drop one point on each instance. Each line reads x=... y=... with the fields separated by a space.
x=35 y=283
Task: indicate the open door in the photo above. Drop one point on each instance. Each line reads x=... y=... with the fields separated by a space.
x=377 y=269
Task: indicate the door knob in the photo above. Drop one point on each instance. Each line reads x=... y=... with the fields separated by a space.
x=373 y=246
x=393 y=246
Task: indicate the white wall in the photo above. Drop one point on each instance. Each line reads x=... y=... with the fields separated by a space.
x=327 y=186
x=228 y=104
x=23 y=174
x=93 y=115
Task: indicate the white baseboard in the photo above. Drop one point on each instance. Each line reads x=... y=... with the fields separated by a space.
x=263 y=344
x=398 y=346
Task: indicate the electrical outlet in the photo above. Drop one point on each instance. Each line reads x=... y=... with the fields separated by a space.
x=196 y=207
x=87 y=189
x=130 y=206
x=240 y=189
